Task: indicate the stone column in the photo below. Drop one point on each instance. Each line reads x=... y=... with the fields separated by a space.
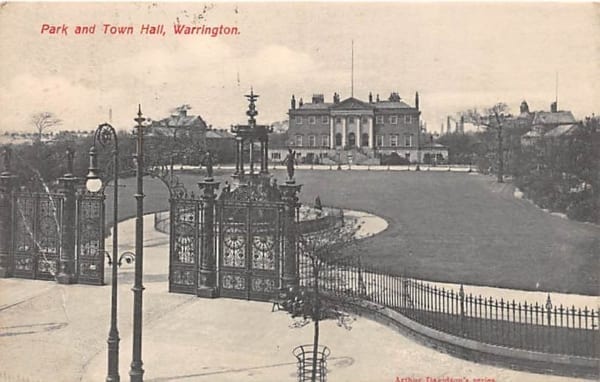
x=344 y=133
x=289 y=192
x=241 y=155
x=66 y=262
x=371 y=134
x=358 y=135
x=331 y=133
x=237 y=156
x=251 y=156
x=7 y=181
x=207 y=277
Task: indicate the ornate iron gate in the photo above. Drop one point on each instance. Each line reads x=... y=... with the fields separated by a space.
x=37 y=244
x=90 y=239
x=250 y=244
x=187 y=218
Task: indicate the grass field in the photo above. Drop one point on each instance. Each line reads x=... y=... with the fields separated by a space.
x=446 y=227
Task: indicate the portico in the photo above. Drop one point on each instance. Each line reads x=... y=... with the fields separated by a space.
x=351 y=124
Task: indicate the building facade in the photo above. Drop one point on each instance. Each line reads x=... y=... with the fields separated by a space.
x=343 y=130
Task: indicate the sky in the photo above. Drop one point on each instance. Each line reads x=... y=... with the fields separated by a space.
x=456 y=55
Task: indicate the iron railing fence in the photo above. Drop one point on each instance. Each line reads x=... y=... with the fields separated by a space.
x=535 y=326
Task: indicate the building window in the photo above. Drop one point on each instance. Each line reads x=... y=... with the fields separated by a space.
x=338 y=139
x=394 y=140
x=298 y=120
x=298 y=140
x=324 y=119
x=312 y=120
x=350 y=120
x=408 y=140
x=364 y=140
x=379 y=141
x=365 y=120
x=393 y=119
x=338 y=120
x=351 y=139
x=379 y=119
x=325 y=140
x=407 y=156
x=312 y=141
x=275 y=155
x=407 y=119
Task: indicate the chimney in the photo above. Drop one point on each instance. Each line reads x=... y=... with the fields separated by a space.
x=300 y=103
x=318 y=98
x=417 y=100
x=554 y=107
x=377 y=98
x=293 y=102
x=370 y=97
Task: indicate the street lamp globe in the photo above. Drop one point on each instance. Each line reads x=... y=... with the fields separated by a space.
x=93 y=183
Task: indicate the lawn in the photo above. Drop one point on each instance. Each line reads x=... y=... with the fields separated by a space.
x=451 y=227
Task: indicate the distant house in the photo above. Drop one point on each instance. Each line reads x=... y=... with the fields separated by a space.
x=178 y=124
x=541 y=123
x=221 y=143
x=179 y=133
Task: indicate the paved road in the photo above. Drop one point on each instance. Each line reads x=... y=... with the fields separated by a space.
x=51 y=332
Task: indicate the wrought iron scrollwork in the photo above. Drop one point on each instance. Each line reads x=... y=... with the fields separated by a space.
x=128 y=257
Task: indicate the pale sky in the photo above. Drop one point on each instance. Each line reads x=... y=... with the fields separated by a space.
x=456 y=55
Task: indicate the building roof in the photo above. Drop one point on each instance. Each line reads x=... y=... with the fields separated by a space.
x=550 y=118
x=392 y=105
x=352 y=104
x=316 y=106
x=180 y=120
x=562 y=130
x=219 y=134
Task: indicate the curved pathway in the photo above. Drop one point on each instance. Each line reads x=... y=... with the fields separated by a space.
x=57 y=332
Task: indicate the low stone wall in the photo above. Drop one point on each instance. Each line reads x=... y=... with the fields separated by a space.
x=471 y=350
x=329 y=218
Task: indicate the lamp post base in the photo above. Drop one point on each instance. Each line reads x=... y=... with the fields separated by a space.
x=207 y=292
x=65 y=278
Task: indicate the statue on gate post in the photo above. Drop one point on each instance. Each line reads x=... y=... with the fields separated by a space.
x=290 y=162
x=208 y=163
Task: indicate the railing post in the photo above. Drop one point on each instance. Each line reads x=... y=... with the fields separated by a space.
x=549 y=310
x=207 y=278
x=7 y=181
x=461 y=295
x=66 y=268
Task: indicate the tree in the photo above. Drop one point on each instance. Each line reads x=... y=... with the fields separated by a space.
x=44 y=121
x=492 y=119
x=318 y=252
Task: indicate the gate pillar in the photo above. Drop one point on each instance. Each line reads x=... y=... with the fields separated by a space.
x=289 y=192
x=66 y=263
x=207 y=278
x=7 y=181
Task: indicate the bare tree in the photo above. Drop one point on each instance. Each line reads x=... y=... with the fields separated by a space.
x=493 y=118
x=44 y=121
x=316 y=299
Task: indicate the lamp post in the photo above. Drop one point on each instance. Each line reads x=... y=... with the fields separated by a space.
x=104 y=134
x=136 y=373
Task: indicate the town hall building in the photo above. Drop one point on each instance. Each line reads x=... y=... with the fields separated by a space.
x=356 y=131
